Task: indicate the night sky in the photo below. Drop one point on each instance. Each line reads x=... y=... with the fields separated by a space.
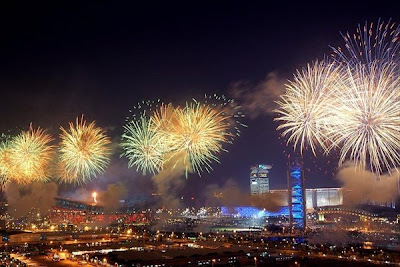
x=101 y=58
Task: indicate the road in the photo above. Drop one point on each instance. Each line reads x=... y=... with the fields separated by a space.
x=27 y=261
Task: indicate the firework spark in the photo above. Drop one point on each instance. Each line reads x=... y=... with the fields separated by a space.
x=230 y=109
x=143 y=108
x=84 y=151
x=30 y=155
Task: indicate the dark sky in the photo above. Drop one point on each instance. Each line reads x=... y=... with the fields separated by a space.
x=101 y=58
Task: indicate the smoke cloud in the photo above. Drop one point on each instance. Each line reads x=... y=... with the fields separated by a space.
x=362 y=186
x=38 y=195
x=169 y=181
x=110 y=199
x=259 y=99
x=80 y=194
x=230 y=195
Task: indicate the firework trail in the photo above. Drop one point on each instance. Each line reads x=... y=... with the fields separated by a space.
x=84 y=151
x=371 y=45
x=30 y=155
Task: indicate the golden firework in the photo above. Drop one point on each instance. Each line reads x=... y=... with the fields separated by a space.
x=84 y=151
x=191 y=136
x=368 y=117
x=305 y=110
x=199 y=131
x=30 y=155
x=143 y=145
x=5 y=161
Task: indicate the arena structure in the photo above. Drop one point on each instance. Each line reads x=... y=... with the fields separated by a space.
x=79 y=213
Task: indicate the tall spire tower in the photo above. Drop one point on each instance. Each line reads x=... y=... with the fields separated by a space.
x=297 y=200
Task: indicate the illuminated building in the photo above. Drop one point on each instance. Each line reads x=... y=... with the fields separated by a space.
x=297 y=201
x=259 y=180
x=68 y=212
x=254 y=212
x=322 y=197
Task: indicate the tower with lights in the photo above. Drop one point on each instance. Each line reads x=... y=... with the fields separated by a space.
x=297 y=200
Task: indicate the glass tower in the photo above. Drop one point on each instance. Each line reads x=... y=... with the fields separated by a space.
x=259 y=180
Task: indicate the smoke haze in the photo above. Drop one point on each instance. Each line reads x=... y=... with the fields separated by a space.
x=169 y=181
x=110 y=199
x=259 y=99
x=38 y=195
x=362 y=186
x=230 y=195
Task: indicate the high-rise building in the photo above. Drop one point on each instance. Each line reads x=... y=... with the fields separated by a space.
x=259 y=180
x=297 y=196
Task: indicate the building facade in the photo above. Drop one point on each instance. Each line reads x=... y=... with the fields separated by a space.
x=259 y=180
x=323 y=197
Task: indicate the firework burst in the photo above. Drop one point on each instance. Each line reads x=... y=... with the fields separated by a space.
x=353 y=103
x=190 y=136
x=200 y=132
x=5 y=161
x=143 y=145
x=30 y=154
x=368 y=118
x=305 y=110
x=84 y=151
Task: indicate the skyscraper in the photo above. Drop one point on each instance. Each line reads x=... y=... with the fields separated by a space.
x=297 y=197
x=259 y=180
